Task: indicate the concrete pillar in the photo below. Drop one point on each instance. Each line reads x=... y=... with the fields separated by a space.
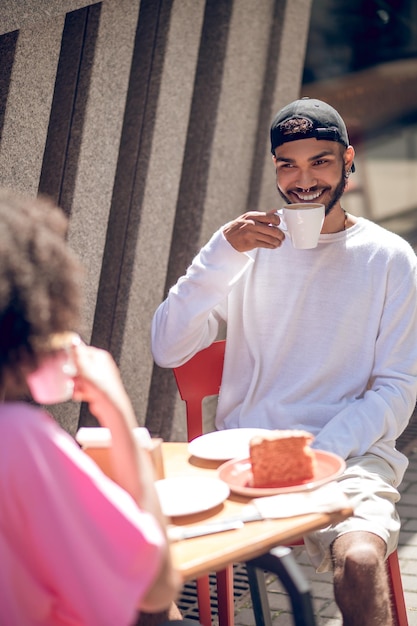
x=147 y=121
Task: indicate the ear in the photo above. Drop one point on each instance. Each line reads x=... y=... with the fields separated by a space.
x=348 y=158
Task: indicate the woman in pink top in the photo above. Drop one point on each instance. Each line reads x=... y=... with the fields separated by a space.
x=75 y=547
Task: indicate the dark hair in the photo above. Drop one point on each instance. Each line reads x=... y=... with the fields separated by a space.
x=39 y=279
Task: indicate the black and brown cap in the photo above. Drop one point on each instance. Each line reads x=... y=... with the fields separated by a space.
x=307 y=118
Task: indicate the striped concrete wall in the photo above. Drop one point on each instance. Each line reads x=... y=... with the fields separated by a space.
x=148 y=123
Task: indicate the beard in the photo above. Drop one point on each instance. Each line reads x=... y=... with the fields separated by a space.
x=335 y=196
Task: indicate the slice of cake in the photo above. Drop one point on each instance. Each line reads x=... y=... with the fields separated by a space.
x=281 y=458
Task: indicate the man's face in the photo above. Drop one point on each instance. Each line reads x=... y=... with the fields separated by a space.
x=312 y=171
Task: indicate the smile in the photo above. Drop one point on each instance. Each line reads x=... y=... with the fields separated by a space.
x=307 y=197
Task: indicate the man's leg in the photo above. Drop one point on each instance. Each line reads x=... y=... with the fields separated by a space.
x=360 y=579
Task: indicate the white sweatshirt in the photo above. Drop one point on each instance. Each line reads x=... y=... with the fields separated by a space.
x=322 y=339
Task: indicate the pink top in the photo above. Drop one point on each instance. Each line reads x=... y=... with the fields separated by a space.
x=74 y=547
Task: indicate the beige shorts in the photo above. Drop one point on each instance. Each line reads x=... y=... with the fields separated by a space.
x=369 y=479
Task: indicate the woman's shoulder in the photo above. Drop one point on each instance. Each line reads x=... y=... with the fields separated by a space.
x=24 y=422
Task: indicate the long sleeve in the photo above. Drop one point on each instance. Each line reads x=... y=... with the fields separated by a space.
x=381 y=414
x=188 y=320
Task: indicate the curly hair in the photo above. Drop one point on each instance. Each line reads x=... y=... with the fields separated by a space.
x=40 y=278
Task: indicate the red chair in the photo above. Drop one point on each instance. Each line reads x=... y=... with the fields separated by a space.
x=200 y=377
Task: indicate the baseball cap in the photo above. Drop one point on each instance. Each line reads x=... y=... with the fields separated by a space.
x=316 y=119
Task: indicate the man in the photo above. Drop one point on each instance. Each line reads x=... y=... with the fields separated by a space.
x=323 y=339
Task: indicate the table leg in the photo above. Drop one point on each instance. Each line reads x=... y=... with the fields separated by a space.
x=280 y=561
x=225 y=597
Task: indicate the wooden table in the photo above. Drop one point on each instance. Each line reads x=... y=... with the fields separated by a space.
x=201 y=555
x=255 y=544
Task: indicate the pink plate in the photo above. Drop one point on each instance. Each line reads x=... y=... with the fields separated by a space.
x=237 y=473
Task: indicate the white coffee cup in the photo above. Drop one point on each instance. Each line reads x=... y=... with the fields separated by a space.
x=303 y=223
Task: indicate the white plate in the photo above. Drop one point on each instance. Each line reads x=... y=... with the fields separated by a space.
x=185 y=495
x=222 y=445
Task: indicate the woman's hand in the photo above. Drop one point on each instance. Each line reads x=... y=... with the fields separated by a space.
x=98 y=382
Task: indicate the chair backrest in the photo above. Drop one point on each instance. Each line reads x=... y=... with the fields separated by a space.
x=200 y=377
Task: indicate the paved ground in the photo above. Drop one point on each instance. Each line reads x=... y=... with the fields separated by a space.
x=326 y=610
